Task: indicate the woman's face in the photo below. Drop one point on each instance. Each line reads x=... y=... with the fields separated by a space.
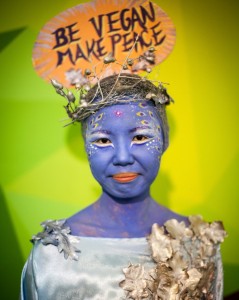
x=124 y=144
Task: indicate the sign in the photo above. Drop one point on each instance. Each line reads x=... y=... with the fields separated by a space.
x=82 y=36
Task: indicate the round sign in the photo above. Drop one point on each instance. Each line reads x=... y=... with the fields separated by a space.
x=82 y=37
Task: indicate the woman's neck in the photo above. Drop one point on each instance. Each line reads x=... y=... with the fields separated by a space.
x=128 y=214
x=112 y=217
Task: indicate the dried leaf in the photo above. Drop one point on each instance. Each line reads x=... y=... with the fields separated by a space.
x=57 y=234
x=134 y=272
x=216 y=232
x=176 y=245
x=207 y=250
x=135 y=282
x=193 y=279
x=65 y=245
x=167 y=287
x=185 y=262
x=50 y=225
x=206 y=282
x=178 y=265
x=198 y=225
x=178 y=230
x=160 y=244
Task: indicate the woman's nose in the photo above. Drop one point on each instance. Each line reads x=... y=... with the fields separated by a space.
x=123 y=155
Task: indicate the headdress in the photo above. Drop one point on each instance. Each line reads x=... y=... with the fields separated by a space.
x=115 y=89
x=88 y=55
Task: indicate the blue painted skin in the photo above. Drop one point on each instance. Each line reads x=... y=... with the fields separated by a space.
x=124 y=143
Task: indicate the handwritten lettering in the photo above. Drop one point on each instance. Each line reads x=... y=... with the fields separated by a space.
x=112 y=21
x=92 y=48
x=65 y=35
x=113 y=31
x=157 y=39
x=124 y=19
x=98 y=25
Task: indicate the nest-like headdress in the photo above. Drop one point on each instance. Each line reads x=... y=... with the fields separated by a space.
x=119 y=88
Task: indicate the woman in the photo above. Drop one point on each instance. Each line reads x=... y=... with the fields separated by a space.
x=106 y=251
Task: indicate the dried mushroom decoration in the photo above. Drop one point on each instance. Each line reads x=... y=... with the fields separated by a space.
x=186 y=262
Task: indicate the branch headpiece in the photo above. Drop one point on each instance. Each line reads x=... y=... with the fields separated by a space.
x=115 y=89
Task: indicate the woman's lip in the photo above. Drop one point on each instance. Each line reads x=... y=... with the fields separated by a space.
x=125 y=177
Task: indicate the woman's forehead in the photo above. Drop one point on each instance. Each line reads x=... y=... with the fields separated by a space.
x=133 y=111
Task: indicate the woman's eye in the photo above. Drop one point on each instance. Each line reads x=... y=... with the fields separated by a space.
x=102 y=142
x=140 y=139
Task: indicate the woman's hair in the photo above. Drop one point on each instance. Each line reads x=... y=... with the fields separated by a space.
x=125 y=88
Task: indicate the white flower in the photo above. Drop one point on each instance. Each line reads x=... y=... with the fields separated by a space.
x=76 y=77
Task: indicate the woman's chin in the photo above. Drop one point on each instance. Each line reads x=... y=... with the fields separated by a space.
x=126 y=191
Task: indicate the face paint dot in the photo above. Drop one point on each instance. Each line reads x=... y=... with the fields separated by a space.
x=91 y=150
x=95 y=125
x=118 y=113
x=144 y=122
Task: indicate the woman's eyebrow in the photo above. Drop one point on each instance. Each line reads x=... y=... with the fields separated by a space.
x=140 y=128
x=100 y=131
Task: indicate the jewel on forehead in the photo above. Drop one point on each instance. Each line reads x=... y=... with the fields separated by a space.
x=118 y=113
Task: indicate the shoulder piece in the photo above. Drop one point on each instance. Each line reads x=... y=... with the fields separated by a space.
x=58 y=234
x=187 y=262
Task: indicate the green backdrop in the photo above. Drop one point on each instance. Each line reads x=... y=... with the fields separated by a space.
x=44 y=172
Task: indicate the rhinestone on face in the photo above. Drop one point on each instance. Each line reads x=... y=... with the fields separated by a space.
x=118 y=113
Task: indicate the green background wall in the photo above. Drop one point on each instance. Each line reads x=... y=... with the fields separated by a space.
x=44 y=172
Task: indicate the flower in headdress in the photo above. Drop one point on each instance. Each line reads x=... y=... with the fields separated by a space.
x=75 y=77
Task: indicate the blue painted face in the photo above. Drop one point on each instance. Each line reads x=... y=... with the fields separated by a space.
x=124 y=144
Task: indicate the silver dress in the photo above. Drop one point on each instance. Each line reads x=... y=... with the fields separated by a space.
x=54 y=273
